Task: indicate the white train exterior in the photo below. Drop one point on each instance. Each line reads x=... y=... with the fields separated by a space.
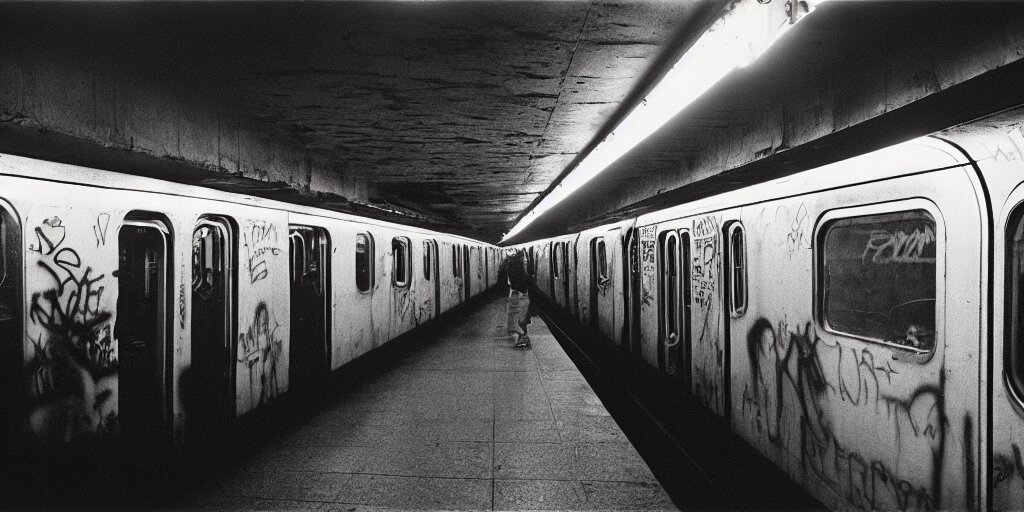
x=860 y=324
x=136 y=308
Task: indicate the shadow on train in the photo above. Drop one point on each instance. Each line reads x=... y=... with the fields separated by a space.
x=122 y=475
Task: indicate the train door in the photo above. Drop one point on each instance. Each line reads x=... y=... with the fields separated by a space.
x=598 y=278
x=466 y=271
x=430 y=272
x=309 y=265
x=143 y=330
x=669 y=302
x=11 y=345
x=575 y=263
x=567 y=276
x=735 y=295
x=685 y=351
x=531 y=263
x=555 y=273
x=674 y=304
x=631 y=292
x=213 y=313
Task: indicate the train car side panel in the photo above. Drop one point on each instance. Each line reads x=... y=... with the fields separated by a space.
x=542 y=268
x=479 y=270
x=353 y=285
x=586 y=280
x=648 y=294
x=707 y=328
x=998 y=148
x=380 y=312
x=861 y=423
x=261 y=370
x=71 y=352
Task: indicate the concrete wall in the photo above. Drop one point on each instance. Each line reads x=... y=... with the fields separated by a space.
x=70 y=88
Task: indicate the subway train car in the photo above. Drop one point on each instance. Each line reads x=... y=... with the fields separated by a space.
x=147 y=311
x=860 y=324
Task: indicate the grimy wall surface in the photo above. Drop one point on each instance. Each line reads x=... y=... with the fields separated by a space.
x=74 y=90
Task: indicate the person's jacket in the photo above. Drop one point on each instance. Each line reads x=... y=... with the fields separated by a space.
x=518 y=278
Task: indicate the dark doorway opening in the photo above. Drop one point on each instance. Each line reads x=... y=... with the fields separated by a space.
x=12 y=355
x=212 y=404
x=631 y=295
x=310 y=271
x=143 y=330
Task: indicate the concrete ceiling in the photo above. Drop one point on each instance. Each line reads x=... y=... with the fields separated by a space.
x=462 y=112
x=458 y=115
x=855 y=77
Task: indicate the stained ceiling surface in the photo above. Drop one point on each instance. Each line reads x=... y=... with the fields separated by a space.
x=462 y=112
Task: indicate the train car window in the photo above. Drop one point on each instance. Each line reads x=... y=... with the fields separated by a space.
x=556 y=261
x=456 y=260
x=364 y=262
x=877 y=278
x=297 y=254
x=11 y=345
x=531 y=263
x=737 y=254
x=427 y=260
x=1013 y=351
x=602 y=259
x=400 y=249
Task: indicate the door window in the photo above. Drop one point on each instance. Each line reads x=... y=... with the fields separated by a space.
x=401 y=261
x=364 y=262
x=1014 y=342
x=737 y=264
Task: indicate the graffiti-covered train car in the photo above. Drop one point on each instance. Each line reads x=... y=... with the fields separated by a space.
x=148 y=311
x=859 y=324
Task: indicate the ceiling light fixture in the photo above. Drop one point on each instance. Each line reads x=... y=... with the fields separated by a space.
x=744 y=31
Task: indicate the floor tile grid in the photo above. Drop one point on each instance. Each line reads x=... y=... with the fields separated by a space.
x=408 y=472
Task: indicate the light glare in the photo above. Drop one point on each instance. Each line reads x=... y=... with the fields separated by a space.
x=735 y=40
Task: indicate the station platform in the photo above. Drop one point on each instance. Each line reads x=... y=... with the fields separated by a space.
x=460 y=420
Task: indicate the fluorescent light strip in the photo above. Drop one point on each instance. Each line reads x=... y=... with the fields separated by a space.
x=735 y=40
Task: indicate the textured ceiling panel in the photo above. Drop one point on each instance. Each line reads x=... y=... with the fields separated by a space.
x=463 y=111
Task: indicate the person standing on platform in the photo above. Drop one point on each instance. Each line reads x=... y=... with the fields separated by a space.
x=518 y=310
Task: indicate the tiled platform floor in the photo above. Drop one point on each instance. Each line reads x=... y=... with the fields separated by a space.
x=462 y=422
